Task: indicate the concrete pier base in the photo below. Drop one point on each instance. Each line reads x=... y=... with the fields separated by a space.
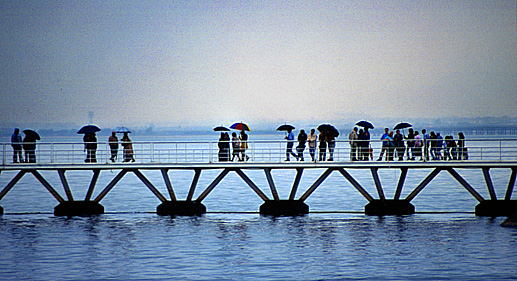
x=180 y=208
x=389 y=208
x=284 y=208
x=78 y=208
x=1 y=210
x=496 y=208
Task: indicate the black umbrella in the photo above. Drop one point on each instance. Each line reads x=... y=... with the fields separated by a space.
x=122 y=130
x=31 y=134
x=221 y=129
x=285 y=127
x=331 y=129
x=402 y=125
x=87 y=129
x=365 y=124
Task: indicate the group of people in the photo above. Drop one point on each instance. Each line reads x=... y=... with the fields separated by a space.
x=238 y=144
x=325 y=140
x=425 y=147
x=28 y=145
x=360 y=149
x=90 y=146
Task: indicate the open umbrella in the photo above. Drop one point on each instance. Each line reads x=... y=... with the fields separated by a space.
x=240 y=126
x=365 y=124
x=285 y=127
x=122 y=130
x=402 y=125
x=87 y=129
x=221 y=129
x=31 y=134
x=331 y=129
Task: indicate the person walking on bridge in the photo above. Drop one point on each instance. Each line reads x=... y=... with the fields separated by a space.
x=385 y=144
x=236 y=146
x=302 y=139
x=290 y=143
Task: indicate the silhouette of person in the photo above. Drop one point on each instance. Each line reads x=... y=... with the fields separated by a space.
x=90 y=146
x=16 y=143
x=290 y=143
x=302 y=139
x=113 y=143
x=128 y=148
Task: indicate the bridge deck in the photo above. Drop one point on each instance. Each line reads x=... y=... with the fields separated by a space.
x=267 y=165
x=378 y=205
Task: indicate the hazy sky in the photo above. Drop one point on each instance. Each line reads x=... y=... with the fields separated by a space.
x=215 y=62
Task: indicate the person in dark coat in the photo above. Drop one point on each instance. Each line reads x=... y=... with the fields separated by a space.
x=450 y=149
x=16 y=143
x=90 y=146
x=113 y=143
x=227 y=146
x=29 y=146
x=462 y=150
x=224 y=147
x=410 y=144
x=322 y=146
x=364 y=143
x=302 y=139
x=398 y=139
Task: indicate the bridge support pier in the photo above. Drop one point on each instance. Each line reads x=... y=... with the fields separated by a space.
x=284 y=208
x=180 y=208
x=78 y=208
x=496 y=208
x=389 y=207
x=1 y=210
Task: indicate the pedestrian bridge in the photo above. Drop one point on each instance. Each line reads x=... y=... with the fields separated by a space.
x=263 y=155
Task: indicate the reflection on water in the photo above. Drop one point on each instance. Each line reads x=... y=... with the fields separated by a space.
x=246 y=247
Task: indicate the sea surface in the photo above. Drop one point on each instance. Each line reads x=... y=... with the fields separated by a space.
x=444 y=240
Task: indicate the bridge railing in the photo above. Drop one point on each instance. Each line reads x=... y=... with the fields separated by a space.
x=257 y=151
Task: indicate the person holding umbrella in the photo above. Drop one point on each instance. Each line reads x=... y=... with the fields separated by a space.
x=224 y=147
x=243 y=138
x=330 y=133
x=364 y=139
x=29 y=145
x=90 y=146
x=290 y=143
x=244 y=145
x=331 y=144
x=398 y=139
x=90 y=141
x=16 y=143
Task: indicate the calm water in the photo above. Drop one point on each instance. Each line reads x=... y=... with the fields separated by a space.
x=233 y=242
